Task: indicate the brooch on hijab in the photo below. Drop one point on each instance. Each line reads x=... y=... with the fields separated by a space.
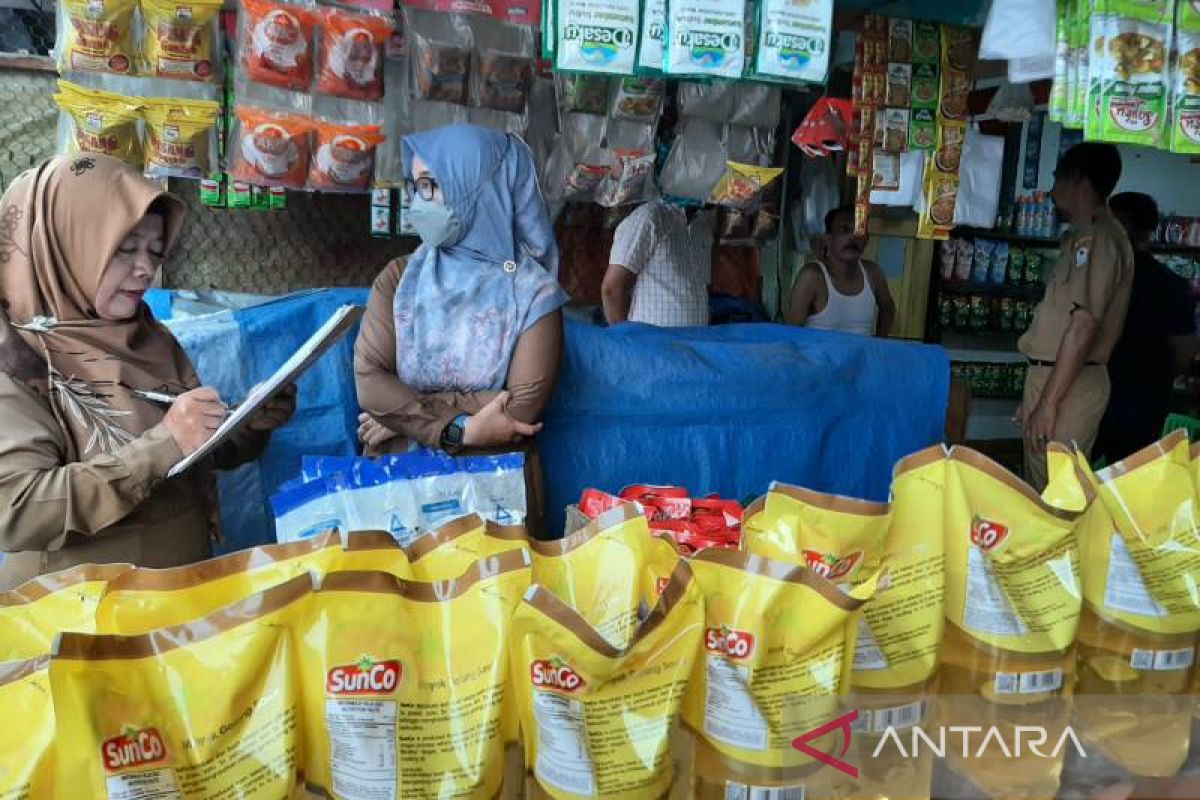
x=510 y=267
x=38 y=325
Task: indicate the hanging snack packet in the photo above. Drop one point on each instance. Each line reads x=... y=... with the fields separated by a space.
x=778 y=642
x=447 y=552
x=277 y=43
x=271 y=149
x=177 y=38
x=1012 y=602
x=605 y=570
x=504 y=69
x=441 y=46
x=351 y=63
x=742 y=185
x=638 y=99
x=599 y=36
x=577 y=693
x=1185 y=99
x=97 y=36
x=179 y=137
x=204 y=709
x=32 y=614
x=344 y=156
x=101 y=122
x=405 y=684
x=1139 y=556
x=26 y=770
x=1136 y=78
x=795 y=40
x=650 y=47
x=141 y=600
x=582 y=94
x=628 y=178
x=707 y=38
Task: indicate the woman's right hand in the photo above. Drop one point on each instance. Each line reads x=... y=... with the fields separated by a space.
x=194 y=417
x=492 y=426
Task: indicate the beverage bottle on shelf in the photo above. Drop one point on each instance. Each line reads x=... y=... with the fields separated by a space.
x=1022 y=215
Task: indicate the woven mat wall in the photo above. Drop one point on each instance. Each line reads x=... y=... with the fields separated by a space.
x=320 y=240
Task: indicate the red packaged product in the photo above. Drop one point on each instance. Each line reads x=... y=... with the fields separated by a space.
x=594 y=502
x=352 y=54
x=277 y=43
x=344 y=156
x=660 y=502
x=272 y=148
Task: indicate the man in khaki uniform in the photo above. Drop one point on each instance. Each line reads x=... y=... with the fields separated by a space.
x=1081 y=316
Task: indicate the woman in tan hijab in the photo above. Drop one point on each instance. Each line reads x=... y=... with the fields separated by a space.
x=83 y=459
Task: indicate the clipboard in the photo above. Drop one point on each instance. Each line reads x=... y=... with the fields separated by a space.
x=309 y=353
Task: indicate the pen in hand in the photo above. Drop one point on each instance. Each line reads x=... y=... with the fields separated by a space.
x=164 y=399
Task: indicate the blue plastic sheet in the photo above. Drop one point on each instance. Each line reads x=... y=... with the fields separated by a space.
x=730 y=409
x=725 y=409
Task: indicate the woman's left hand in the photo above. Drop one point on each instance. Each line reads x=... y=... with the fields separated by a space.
x=373 y=433
x=276 y=412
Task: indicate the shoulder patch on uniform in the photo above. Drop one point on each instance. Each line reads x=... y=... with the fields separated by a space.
x=1083 y=250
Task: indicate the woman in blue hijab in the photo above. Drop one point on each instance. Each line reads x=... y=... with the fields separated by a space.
x=461 y=343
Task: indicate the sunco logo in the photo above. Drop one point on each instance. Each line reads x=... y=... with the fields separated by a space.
x=133 y=748
x=367 y=676
x=831 y=566
x=987 y=535
x=596 y=36
x=555 y=674
x=728 y=642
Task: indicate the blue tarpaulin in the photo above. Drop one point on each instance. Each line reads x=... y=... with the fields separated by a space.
x=724 y=409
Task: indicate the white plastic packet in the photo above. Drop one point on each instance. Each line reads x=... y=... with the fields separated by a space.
x=707 y=38
x=311 y=508
x=1019 y=29
x=597 y=35
x=980 y=171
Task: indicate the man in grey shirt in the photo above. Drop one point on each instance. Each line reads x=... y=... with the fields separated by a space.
x=660 y=267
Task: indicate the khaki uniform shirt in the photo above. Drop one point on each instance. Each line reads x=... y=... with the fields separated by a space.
x=1095 y=273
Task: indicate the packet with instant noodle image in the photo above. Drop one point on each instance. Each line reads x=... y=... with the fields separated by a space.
x=344 y=156
x=101 y=122
x=209 y=708
x=405 y=684
x=26 y=770
x=32 y=614
x=271 y=148
x=449 y=551
x=1013 y=602
x=277 y=43
x=742 y=185
x=605 y=570
x=141 y=599
x=96 y=36
x=177 y=38
x=597 y=719
x=1140 y=558
x=778 y=644
x=179 y=137
x=351 y=63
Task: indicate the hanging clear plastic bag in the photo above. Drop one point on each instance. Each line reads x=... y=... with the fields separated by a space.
x=638 y=99
x=631 y=165
x=503 y=65
x=818 y=196
x=440 y=46
x=582 y=94
x=579 y=163
x=750 y=145
x=712 y=101
x=756 y=105
x=696 y=160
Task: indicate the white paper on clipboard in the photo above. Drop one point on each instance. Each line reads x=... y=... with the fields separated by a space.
x=325 y=337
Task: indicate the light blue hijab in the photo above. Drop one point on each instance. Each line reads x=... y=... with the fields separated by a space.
x=460 y=309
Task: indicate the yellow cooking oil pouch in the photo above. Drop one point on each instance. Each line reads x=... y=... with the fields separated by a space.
x=101 y=122
x=32 y=614
x=141 y=599
x=450 y=550
x=205 y=709
x=373 y=551
x=597 y=719
x=177 y=38
x=1013 y=602
x=777 y=650
x=1140 y=559
x=25 y=768
x=604 y=570
x=405 y=683
x=179 y=137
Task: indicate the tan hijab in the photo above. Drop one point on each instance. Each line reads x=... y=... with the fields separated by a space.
x=60 y=224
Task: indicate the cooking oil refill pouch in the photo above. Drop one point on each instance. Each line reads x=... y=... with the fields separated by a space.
x=600 y=36
x=706 y=38
x=141 y=600
x=604 y=570
x=32 y=614
x=450 y=550
x=205 y=709
x=25 y=769
x=405 y=684
x=1013 y=602
x=597 y=719
x=777 y=649
x=794 y=44
x=375 y=551
x=1140 y=557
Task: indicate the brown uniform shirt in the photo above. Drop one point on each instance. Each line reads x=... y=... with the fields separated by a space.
x=1094 y=272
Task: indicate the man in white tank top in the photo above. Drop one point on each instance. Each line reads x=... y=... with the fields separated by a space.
x=842 y=292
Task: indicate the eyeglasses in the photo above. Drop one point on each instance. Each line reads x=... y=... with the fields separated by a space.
x=424 y=187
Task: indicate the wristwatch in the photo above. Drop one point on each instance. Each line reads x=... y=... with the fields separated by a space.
x=452 y=436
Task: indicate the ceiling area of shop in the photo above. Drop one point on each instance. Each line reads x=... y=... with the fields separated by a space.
x=961 y=12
